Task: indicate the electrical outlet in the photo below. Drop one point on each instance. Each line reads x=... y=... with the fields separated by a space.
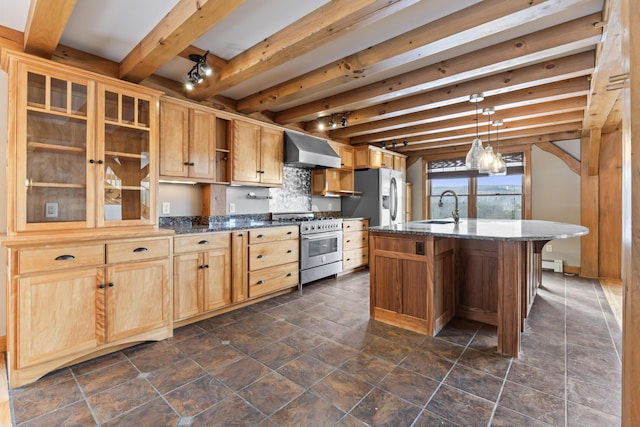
x=51 y=210
x=166 y=207
x=549 y=247
x=232 y=207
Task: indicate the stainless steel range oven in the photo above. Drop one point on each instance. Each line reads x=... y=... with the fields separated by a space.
x=320 y=245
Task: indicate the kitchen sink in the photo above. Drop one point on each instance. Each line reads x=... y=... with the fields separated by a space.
x=437 y=221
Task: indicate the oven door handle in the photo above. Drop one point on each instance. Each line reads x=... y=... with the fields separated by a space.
x=321 y=236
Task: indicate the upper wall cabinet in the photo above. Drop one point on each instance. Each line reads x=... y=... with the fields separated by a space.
x=257 y=154
x=194 y=143
x=372 y=157
x=82 y=148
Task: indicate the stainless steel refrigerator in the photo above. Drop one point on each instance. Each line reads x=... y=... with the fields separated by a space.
x=382 y=199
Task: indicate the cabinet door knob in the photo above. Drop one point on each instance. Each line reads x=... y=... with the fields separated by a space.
x=111 y=284
x=141 y=249
x=65 y=258
x=201 y=267
x=100 y=162
x=260 y=256
x=102 y=286
x=206 y=266
x=92 y=161
x=260 y=282
x=240 y=234
x=289 y=251
x=289 y=274
x=203 y=242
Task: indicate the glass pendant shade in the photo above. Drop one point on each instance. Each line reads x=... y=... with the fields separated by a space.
x=487 y=159
x=474 y=155
x=498 y=167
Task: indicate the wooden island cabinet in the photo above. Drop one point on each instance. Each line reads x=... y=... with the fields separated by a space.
x=424 y=273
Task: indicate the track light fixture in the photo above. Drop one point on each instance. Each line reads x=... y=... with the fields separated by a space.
x=405 y=142
x=384 y=145
x=394 y=144
x=320 y=123
x=198 y=72
x=332 y=123
x=344 y=121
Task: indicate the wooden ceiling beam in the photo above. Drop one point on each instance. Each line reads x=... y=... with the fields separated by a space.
x=542 y=112
x=509 y=146
x=45 y=24
x=518 y=81
x=464 y=137
x=183 y=25
x=11 y=39
x=325 y=24
x=515 y=53
x=553 y=91
x=487 y=18
x=608 y=78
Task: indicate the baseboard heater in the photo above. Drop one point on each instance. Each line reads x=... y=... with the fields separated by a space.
x=552 y=264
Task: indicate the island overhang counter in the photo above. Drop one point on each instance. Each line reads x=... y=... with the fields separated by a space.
x=423 y=273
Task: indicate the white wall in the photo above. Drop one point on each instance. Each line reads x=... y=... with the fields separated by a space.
x=556 y=197
x=183 y=199
x=3 y=199
x=414 y=176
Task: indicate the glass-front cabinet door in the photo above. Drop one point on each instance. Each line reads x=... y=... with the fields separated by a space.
x=125 y=194
x=54 y=132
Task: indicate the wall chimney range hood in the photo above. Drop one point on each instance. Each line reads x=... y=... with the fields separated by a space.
x=306 y=151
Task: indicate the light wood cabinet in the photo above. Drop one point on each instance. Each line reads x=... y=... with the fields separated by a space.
x=257 y=154
x=239 y=266
x=194 y=143
x=83 y=298
x=273 y=259
x=372 y=157
x=201 y=274
x=335 y=181
x=355 y=243
x=83 y=150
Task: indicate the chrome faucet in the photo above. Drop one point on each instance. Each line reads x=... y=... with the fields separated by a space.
x=455 y=213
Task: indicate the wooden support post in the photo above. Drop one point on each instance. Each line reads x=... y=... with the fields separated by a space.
x=589 y=212
x=510 y=261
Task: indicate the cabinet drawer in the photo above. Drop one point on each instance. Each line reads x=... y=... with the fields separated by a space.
x=358 y=239
x=273 y=279
x=355 y=258
x=137 y=251
x=34 y=260
x=201 y=242
x=272 y=254
x=262 y=235
x=355 y=225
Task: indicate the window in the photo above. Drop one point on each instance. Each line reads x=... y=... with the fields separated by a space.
x=479 y=195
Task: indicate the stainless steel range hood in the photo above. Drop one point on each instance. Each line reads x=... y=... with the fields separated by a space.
x=305 y=151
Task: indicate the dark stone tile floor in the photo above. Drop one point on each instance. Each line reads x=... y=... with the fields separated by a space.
x=314 y=358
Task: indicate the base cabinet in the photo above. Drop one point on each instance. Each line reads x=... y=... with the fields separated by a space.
x=412 y=281
x=355 y=243
x=202 y=278
x=273 y=259
x=69 y=301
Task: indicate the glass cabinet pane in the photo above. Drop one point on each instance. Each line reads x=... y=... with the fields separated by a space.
x=128 y=109
x=58 y=95
x=127 y=175
x=143 y=113
x=36 y=90
x=55 y=168
x=111 y=106
x=78 y=99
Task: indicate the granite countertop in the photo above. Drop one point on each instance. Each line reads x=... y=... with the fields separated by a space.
x=488 y=229
x=224 y=226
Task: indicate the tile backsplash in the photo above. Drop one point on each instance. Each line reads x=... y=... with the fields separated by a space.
x=295 y=194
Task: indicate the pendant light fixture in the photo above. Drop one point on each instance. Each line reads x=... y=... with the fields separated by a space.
x=499 y=167
x=488 y=158
x=476 y=151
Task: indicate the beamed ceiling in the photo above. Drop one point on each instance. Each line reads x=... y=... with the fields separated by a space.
x=402 y=69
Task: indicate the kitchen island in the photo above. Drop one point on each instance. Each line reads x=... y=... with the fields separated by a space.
x=423 y=273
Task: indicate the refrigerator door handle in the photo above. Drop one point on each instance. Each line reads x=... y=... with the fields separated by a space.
x=393 y=193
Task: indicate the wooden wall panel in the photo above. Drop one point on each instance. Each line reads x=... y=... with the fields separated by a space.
x=610 y=224
x=589 y=213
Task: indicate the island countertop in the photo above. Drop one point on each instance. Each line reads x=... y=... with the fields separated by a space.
x=488 y=229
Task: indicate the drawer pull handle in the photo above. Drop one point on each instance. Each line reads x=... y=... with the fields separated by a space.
x=260 y=256
x=259 y=236
x=348 y=240
x=203 y=242
x=65 y=258
x=140 y=249
x=348 y=226
x=348 y=259
x=289 y=274
x=289 y=251
x=289 y=232
x=111 y=284
x=102 y=286
x=260 y=282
